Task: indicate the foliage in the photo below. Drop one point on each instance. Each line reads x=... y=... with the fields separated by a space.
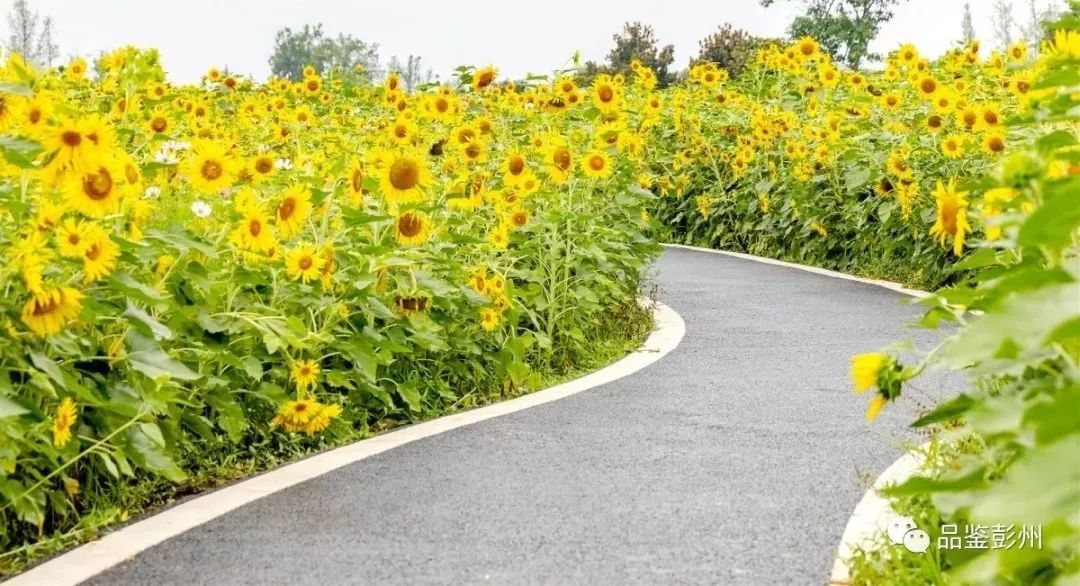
x=1014 y=330
x=730 y=48
x=637 y=42
x=35 y=45
x=844 y=28
x=244 y=272
x=295 y=50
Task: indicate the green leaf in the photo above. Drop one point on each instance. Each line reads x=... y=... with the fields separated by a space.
x=253 y=367
x=15 y=89
x=410 y=394
x=922 y=485
x=138 y=317
x=155 y=363
x=48 y=366
x=1040 y=487
x=146 y=446
x=946 y=411
x=1055 y=222
x=9 y=408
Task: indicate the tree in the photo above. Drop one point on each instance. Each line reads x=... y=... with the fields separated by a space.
x=1003 y=23
x=638 y=41
x=411 y=74
x=294 y=50
x=844 y=28
x=1035 y=31
x=967 y=30
x=731 y=48
x=36 y=46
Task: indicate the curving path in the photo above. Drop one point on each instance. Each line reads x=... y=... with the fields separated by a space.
x=736 y=459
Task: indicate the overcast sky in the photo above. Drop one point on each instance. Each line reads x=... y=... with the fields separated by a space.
x=518 y=37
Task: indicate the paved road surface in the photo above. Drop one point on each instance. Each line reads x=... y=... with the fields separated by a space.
x=736 y=459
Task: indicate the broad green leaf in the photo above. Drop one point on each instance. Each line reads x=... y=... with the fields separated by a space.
x=410 y=394
x=155 y=363
x=9 y=408
x=146 y=447
x=139 y=317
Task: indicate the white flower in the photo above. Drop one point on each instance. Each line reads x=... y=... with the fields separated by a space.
x=166 y=157
x=175 y=145
x=201 y=209
x=283 y=164
x=152 y=192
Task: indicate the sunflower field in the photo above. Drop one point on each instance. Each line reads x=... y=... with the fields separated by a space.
x=194 y=274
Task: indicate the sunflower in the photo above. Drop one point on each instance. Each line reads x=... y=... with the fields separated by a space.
x=560 y=162
x=261 y=167
x=952 y=146
x=94 y=191
x=605 y=94
x=500 y=237
x=293 y=210
x=490 y=319
x=403 y=179
x=806 y=48
x=935 y=123
x=63 y=421
x=994 y=142
x=484 y=77
x=412 y=228
x=48 y=311
x=99 y=255
x=158 y=122
x=74 y=145
x=321 y=418
x=951 y=216
x=478 y=281
x=210 y=168
x=295 y=415
x=515 y=169
x=304 y=374
x=304 y=263
x=253 y=233
x=596 y=165
x=355 y=180
x=519 y=218
x=71 y=238
x=1018 y=52
x=927 y=86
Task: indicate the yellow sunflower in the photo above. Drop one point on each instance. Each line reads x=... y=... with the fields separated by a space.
x=596 y=165
x=304 y=263
x=304 y=374
x=47 y=312
x=99 y=255
x=412 y=228
x=293 y=210
x=253 y=233
x=951 y=216
x=94 y=191
x=403 y=179
x=484 y=77
x=63 y=421
x=210 y=168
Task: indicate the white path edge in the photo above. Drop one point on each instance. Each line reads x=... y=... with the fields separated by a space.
x=95 y=557
x=873 y=513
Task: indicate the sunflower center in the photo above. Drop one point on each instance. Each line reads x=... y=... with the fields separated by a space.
x=404 y=174
x=516 y=166
x=286 y=209
x=929 y=86
x=934 y=121
x=561 y=158
x=73 y=239
x=159 y=124
x=211 y=170
x=605 y=93
x=596 y=163
x=485 y=79
x=71 y=138
x=996 y=144
x=264 y=165
x=400 y=131
x=35 y=116
x=410 y=225
x=98 y=186
x=442 y=105
x=255 y=228
x=305 y=263
x=93 y=252
x=357 y=180
x=42 y=308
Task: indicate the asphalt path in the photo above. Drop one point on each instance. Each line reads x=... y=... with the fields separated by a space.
x=735 y=459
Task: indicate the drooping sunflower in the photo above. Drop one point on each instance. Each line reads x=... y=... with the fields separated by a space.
x=63 y=421
x=484 y=77
x=47 y=312
x=412 y=227
x=210 y=168
x=560 y=162
x=293 y=210
x=951 y=216
x=355 y=180
x=596 y=165
x=304 y=263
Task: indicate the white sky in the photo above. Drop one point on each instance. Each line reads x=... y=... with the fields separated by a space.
x=517 y=36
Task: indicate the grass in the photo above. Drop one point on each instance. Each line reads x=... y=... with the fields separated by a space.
x=618 y=331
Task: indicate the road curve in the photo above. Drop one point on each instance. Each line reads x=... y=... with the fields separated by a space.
x=735 y=459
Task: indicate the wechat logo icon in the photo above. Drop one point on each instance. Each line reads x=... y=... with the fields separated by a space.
x=903 y=531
